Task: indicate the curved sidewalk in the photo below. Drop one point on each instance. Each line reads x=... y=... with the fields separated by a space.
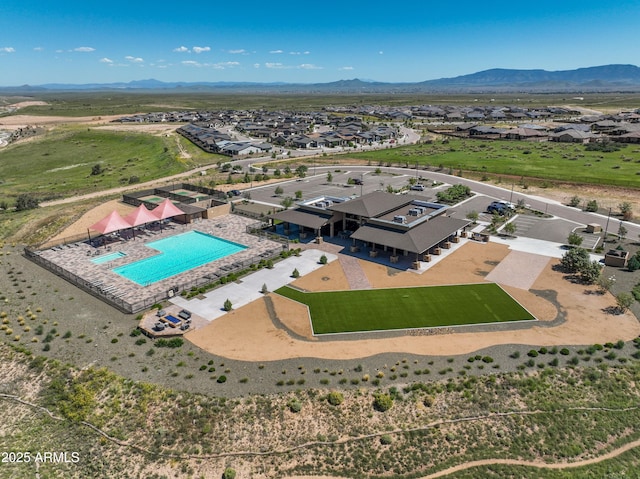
x=248 y=288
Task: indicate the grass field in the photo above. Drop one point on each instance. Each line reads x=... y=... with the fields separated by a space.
x=80 y=103
x=407 y=308
x=547 y=160
x=60 y=163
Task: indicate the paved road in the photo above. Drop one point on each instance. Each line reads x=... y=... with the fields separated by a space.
x=316 y=185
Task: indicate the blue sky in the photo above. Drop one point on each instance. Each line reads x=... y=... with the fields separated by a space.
x=306 y=42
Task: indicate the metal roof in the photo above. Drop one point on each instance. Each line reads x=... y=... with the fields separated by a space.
x=415 y=240
x=304 y=218
x=372 y=204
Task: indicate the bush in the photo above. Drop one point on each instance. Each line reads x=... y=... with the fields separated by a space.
x=592 y=206
x=564 y=352
x=295 y=273
x=168 y=343
x=575 y=260
x=294 y=406
x=382 y=402
x=335 y=398
x=323 y=259
x=532 y=353
x=228 y=306
x=386 y=439
x=229 y=473
x=221 y=379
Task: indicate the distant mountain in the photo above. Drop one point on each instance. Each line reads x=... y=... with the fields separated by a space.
x=601 y=78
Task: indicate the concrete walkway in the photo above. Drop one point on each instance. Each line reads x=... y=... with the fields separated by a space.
x=249 y=288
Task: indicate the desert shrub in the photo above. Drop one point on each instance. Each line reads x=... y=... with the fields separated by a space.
x=382 y=402
x=295 y=406
x=386 y=439
x=221 y=379
x=335 y=398
x=229 y=473
x=532 y=353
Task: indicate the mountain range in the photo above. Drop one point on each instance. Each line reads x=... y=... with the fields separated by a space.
x=591 y=79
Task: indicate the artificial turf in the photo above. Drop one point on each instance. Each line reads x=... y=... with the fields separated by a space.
x=407 y=308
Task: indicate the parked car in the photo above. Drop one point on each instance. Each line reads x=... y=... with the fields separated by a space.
x=417 y=187
x=501 y=207
x=234 y=193
x=356 y=181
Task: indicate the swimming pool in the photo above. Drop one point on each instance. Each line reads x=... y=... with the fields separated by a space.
x=178 y=254
x=108 y=257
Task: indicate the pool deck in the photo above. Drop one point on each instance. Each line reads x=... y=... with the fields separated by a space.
x=76 y=258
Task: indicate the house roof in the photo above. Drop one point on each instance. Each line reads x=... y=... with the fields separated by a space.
x=416 y=240
x=372 y=204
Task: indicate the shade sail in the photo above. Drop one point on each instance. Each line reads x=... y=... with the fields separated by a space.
x=109 y=224
x=140 y=216
x=166 y=209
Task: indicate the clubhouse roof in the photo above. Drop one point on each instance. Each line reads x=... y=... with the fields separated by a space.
x=412 y=224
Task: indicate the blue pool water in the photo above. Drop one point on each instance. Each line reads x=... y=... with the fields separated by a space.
x=178 y=254
x=108 y=257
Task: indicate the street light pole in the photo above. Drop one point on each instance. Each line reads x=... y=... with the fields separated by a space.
x=606 y=228
x=511 y=196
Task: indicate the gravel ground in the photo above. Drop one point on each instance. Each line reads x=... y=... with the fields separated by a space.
x=100 y=336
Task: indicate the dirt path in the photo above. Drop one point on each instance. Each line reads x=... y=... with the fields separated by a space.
x=514 y=462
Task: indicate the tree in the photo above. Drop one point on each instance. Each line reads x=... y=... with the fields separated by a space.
x=323 y=259
x=295 y=273
x=298 y=194
x=634 y=263
x=590 y=272
x=575 y=201
x=574 y=260
x=624 y=301
x=592 y=206
x=510 y=228
x=622 y=232
x=625 y=210
x=264 y=289
x=301 y=171
x=228 y=306
x=473 y=216
x=279 y=190
x=329 y=177
x=287 y=202
x=574 y=239
x=605 y=283
x=265 y=169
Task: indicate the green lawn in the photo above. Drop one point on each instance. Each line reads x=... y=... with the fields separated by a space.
x=60 y=162
x=406 y=308
x=547 y=160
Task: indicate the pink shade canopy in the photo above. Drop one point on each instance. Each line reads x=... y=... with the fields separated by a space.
x=166 y=209
x=140 y=216
x=113 y=222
